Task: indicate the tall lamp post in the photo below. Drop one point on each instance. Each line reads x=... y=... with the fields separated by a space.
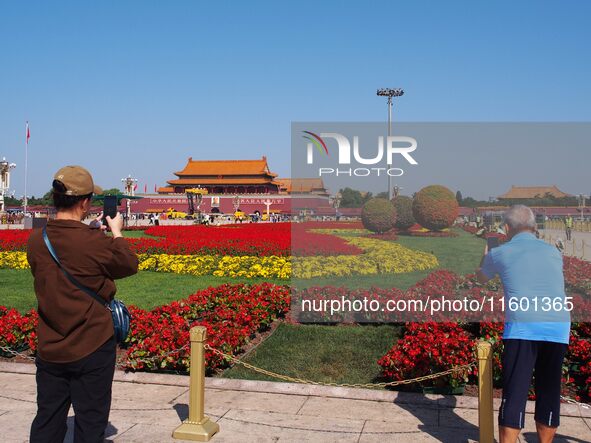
x=388 y=92
x=236 y=203
x=336 y=202
x=582 y=198
x=5 y=169
x=129 y=185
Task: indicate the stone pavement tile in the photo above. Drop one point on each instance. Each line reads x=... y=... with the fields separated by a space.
x=257 y=401
x=171 y=416
x=145 y=433
x=427 y=434
x=296 y=422
x=253 y=426
x=462 y=418
x=364 y=409
x=114 y=429
x=135 y=395
x=16 y=403
x=16 y=426
x=20 y=386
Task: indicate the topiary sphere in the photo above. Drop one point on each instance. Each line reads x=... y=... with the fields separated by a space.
x=435 y=207
x=378 y=215
x=403 y=207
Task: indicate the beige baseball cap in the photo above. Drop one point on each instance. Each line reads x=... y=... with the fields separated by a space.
x=77 y=181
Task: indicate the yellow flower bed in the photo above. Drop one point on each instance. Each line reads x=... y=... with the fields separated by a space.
x=220 y=266
x=14 y=260
x=380 y=257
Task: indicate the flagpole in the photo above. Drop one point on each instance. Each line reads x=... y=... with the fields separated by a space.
x=26 y=164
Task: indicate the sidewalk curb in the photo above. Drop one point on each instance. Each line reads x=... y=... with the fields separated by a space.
x=228 y=384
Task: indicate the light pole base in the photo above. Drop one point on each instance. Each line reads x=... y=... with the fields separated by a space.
x=202 y=431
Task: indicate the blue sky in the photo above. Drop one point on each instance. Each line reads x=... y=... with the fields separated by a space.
x=137 y=87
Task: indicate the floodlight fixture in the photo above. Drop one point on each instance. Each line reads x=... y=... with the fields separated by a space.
x=390 y=92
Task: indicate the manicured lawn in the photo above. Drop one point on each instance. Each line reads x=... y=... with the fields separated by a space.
x=341 y=354
x=149 y=289
x=145 y=289
x=136 y=234
x=460 y=254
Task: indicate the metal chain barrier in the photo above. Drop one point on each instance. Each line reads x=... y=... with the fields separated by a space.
x=16 y=353
x=570 y=401
x=462 y=368
x=121 y=363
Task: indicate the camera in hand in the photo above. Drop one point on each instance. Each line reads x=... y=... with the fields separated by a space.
x=109 y=207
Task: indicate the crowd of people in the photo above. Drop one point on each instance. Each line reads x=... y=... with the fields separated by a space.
x=11 y=218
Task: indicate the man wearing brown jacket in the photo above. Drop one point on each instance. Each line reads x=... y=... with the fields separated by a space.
x=76 y=350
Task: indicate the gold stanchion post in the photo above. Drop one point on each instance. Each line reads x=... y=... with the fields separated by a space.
x=485 y=393
x=197 y=427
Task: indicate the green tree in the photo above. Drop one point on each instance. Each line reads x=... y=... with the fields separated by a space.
x=459 y=197
x=46 y=200
x=11 y=201
x=112 y=191
x=351 y=198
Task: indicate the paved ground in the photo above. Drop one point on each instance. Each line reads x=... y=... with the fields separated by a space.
x=147 y=408
x=580 y=240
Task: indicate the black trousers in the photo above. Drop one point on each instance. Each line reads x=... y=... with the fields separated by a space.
x=86 y=385
x=520 y=359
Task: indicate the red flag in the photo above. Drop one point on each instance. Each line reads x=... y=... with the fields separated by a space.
x=155 y=190
x=27 y=133
x=135 y=187
x=145 y=189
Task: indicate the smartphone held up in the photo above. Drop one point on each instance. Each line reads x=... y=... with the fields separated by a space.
x=109 y=207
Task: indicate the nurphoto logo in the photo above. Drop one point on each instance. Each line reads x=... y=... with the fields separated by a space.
x=401 y=145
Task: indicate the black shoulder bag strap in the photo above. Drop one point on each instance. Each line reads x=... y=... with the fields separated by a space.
x=75 y=282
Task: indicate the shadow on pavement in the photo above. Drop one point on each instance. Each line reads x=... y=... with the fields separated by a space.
x=182 y=410
x=532 y=437
x=109 y=432
x=441 y=423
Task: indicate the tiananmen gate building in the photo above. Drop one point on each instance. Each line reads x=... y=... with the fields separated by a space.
x=251 y=180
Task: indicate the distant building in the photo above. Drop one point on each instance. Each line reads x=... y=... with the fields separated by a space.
x=314 y=186
x=225 y=177
x=248 y=183
x=530 y=192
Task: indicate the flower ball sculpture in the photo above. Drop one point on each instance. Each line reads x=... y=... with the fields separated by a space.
x=435 y=207
x=404 y=216
x=378 y=215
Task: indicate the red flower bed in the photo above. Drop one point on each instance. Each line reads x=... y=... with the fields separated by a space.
x=231 y=314
x=493 y=333
x=18 y=331
x=332 y=225
x=577 y=274
x=260 y=239
x=14 y=239
x=428 y=348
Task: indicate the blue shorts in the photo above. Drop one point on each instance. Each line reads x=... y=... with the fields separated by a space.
x=520 y=359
